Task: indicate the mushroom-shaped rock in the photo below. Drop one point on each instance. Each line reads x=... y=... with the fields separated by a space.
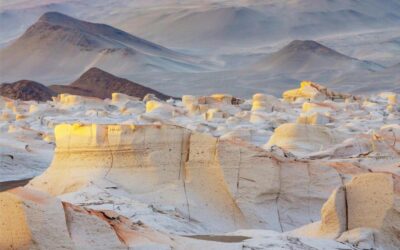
x=391 y=97
x=306 y=91
x=119 y=97
x=221 y=98
x=156 y=110
x=216 y=99
x=302 y=139
x=264 y=102
x=313 y=118
x=67 y=99
x=213 y=114
x=191 y=103
x=152 y=105
x=316 y=107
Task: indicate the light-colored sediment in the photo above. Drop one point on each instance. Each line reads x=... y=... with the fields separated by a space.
x=319 y=168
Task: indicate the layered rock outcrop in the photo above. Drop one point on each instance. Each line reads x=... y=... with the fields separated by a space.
x=75 y=227
x=236 y=184
x=33 y=220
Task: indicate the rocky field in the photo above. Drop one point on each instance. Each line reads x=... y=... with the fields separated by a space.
x=315 y=169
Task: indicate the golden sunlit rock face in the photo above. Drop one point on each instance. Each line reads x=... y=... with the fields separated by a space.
x=316 y=166
x=312 y=91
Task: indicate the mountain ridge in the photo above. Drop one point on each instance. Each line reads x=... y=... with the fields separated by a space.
x=96 y=82
x=59 y=46
x=26 y=90
x=301 y=56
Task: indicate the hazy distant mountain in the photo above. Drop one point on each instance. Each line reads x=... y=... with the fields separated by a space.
x=211 y=24
x=310 y=56
x=26 y=90
x=203 y=26
x=98 y=83
x=60 y=47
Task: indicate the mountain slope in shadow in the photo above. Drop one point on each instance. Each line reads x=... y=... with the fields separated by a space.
x=98 y=83
x=93 y=83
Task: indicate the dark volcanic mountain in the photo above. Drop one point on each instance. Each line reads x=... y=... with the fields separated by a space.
x=58 y=47
x=26 y=90
x=98 y=83
x=310 y=56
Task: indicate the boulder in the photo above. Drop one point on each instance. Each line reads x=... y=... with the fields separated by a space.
x=369 y=196
x=191 y=103
x=334 y=214
x=364 y=212
x=312 y=91
x=391 y=97
x=200 y=176
x=313 y=118
x=318 y=107
x=263 y=102
x=123 y=98
x=214 y=114
x=32 y=220
x=302 y=139
x=306 y=91
x=219 y=98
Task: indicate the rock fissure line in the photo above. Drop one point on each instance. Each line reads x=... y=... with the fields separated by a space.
x=238 y=173
x=111 y=155
x=278 y=195
x=346 y=207
x=183 y=170
x=308 y=192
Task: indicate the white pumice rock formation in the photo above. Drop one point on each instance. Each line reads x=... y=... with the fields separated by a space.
x=32 y=220
x=265 y=102
x=69 y=226
x=364 y=212
x=314 y=170
x=197 y=165
x=313 y=118
x=303 y=138
x=313 y=91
